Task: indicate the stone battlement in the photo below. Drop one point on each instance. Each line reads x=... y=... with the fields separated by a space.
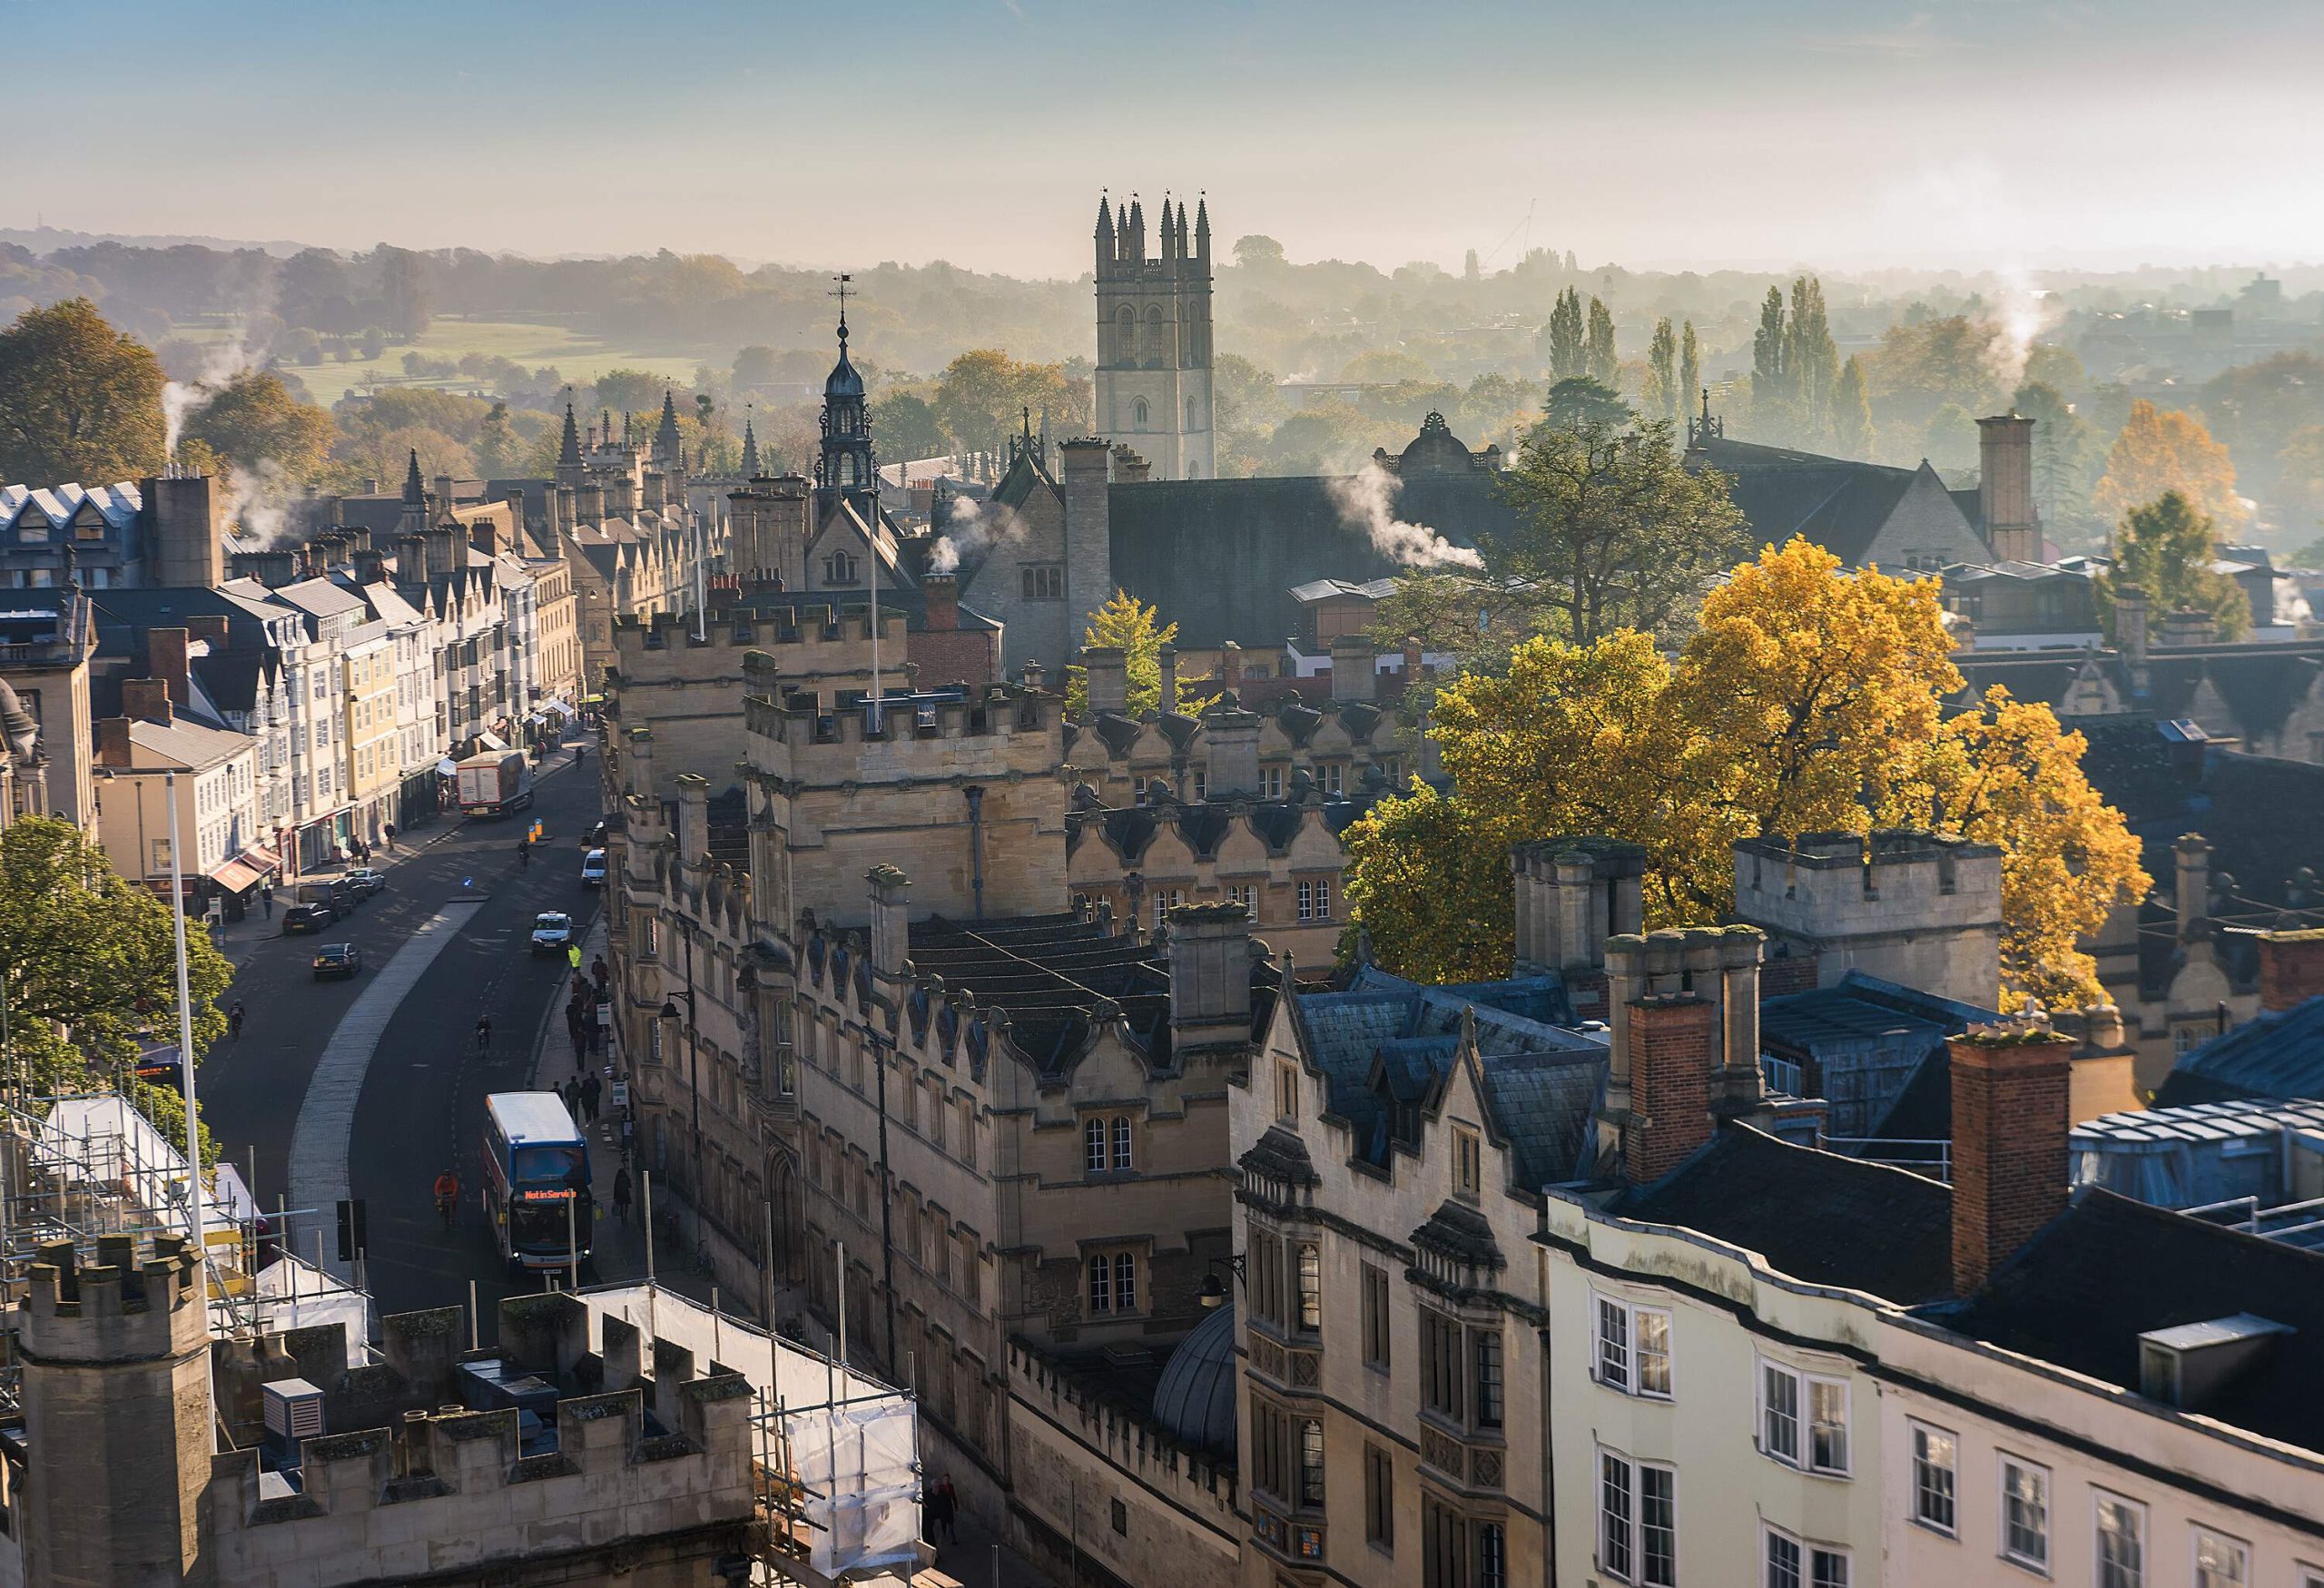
x=137 y=1301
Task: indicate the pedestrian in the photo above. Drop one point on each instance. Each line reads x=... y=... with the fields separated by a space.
x=234 y=1021
x=266 y=898
x=571 y=1092
x=573 y=958
x=942 y=1504
x=598 y=974
x=389 y=833
x=621 y=1193
x=580 y=1049
x=484 y=1033
x=591 y=1089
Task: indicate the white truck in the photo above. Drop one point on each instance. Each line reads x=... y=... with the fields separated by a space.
x=495 y=783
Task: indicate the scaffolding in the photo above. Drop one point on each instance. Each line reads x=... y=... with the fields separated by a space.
x=81 y=1167
x=838 y=1456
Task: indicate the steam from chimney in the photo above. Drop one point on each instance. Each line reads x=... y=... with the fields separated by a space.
x=255 y=495
x=971 y=527
x=1366 y=501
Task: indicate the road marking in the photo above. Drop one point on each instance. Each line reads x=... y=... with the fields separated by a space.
x=319 y=1142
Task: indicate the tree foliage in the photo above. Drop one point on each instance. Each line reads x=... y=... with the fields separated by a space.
x=253 y=422
x=2159 y=451
x=1430 y=888
x=79 y=400
x=1601 y=363
x=2166 y=549
x=1660 y=399
x=1564 y=336
x=1134 y=627
x=88 y=962
x=1809 y=700
x=1690 y=368
x=1852 y=412
x=985 y=396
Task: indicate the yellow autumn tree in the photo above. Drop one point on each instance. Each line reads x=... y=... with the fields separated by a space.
x=1810 y=700
x=2159 y=451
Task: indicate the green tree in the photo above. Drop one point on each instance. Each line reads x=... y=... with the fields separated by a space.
x=1604 y=365
x=1950 y=441
x=2166 y=549
x=1565 y=337
x=88 y=962
x=1430 y=889
x=1661 y=400
x=1851 y=413
x=1579 y=401
x=79 y=400
x=1258 y=253
x=1135 y=628
x=498 y=450
x=406 y=286
x=1690 y=368
x=904 y=426
x=2066 y=455
x=253 y=423
x=1772 y=397
x=1811 y=361
x=630 y=391
x=1491 y=407
x=755 y=366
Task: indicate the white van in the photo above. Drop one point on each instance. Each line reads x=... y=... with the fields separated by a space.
x=592 y=869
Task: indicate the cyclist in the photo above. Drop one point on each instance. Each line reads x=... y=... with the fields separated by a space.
x=484 y=1033
x=234 y=1021
x=447 y=1197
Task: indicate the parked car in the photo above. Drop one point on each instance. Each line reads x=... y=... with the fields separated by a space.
x=342 y=960
x=552 y=932
x=592 y=869
x=364 y=882
x=317 y=904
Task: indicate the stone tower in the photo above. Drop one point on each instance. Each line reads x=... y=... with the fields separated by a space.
x=116 y=1361
x=1154 y=352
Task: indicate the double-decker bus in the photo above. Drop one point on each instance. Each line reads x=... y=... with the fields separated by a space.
x=536 y=1180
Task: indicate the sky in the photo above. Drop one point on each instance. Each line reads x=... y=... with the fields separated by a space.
x=1947 y=133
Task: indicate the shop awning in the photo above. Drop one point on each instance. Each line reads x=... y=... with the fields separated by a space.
x=447 y=767
x=237 y=875
x=485 y=741
x=267 y=861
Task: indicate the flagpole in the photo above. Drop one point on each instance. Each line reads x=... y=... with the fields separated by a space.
x=194 y=1216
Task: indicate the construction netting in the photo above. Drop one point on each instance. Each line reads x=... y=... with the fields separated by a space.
x=843 y=1442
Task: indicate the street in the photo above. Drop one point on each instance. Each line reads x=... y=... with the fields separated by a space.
x=418 y=1091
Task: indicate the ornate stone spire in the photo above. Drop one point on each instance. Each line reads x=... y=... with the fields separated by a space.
x=568 y=452
x=750 y=449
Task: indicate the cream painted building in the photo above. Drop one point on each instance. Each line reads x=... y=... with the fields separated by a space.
x=374 y=752
x=217 y=790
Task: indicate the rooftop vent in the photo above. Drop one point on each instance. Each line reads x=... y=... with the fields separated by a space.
x=2188 y=1366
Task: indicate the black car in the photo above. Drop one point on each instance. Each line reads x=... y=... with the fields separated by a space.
x=309 y=915
x=338 y=958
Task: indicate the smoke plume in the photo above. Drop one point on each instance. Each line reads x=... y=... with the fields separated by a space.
x=257 y=493
x=1366 y=501
x=971 y=527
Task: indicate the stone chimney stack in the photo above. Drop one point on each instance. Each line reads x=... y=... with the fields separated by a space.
x=2005 y=488
x=891 y=927
x=2291 y=968
x=2130 y=623
x=694 y=819
x=1572 y=894
x=1168 y=657
x=640 y=767
x=1085 y=489
x=1355 y=670
x=589 y=504
x=112 y=741
x=560 y=510
x=2188 y=625
x=1231 y=736
x=1230 y=665
x=187 y=516
x=2011 y=1090
x=1211 y=974
x=2192 y=891
x=1106 y=671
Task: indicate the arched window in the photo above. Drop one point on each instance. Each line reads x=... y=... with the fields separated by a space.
x=1153 y=332
x=1093 y=1148
x=1139 y=413
x=1101 y=1283
x=1126 y=334
x=1121 y=1141
x=1192 y=409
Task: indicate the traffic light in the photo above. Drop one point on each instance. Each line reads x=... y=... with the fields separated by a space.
x=352 y=1234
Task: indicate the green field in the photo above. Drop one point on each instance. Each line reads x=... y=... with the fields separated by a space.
x=578 y=358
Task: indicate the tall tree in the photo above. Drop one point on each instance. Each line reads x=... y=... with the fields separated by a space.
x=1811 y=361
x=253 y=424
x=1851 y=413
x=1661 y=397
x=1567 y=356
x=1809 y=700
x=1573 y=403
x=1771 y=392
x=1604 y=366
x=79 y=400
x=1690 y=368
x=2159 y=451
x=407 y=289
x=2166 y=549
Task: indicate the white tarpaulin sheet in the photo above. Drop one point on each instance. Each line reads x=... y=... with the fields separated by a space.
x=102 y=1142
x=293 y=1295
x=853 y=1441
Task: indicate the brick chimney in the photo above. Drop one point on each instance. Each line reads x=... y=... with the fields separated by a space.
x=1231 y=737
x=2012 y=1086
x=2005 y=488
x=1106 y=669
x=166 y=658
x=146 y=699
x=1211 y=974
x=941 y=593
x=210 y=627
x=112 y=741
x=2291 y=968
x=1673 y=1047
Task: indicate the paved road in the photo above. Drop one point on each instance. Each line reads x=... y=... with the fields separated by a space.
x=421 y=1102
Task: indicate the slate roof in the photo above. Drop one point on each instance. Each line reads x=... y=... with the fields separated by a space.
x=1812 y=1215
x=2108 y=1269
x=1221 y=557
x=1839 y=503
x=2277 y=1053
x=1130 y=830
x=1863 y=1017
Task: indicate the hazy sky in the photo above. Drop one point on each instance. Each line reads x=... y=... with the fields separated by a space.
x=1697 y=132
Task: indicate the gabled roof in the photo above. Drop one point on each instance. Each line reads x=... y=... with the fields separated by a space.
x=2279 y=1053
x=1813 y=1215
x=2108 y=1269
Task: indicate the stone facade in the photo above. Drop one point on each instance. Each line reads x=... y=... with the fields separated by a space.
x=1154 y=339
x=1918 y=909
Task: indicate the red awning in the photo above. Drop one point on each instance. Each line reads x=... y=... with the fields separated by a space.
x=263 y=859
x=236 y=876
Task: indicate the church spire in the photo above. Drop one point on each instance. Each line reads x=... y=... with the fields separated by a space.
x=750 y=448
x=666 y=446
x=568 y=452
x=1107 y=250
x=414 y=495
x=1202 y=231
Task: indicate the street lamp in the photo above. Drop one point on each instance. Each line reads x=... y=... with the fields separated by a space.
x=694 y=1076
x=1214 y=1289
